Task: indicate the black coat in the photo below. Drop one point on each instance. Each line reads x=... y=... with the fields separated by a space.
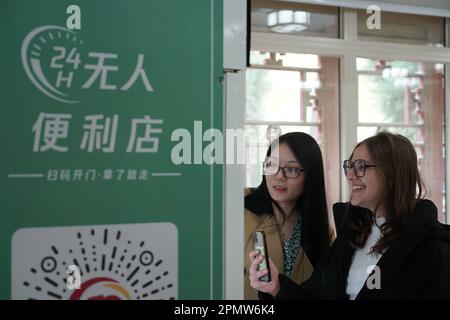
x=416 y=266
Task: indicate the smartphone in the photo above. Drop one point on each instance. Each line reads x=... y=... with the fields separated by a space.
x=259 y=243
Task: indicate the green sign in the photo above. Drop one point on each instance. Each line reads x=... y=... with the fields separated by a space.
x=92 y=204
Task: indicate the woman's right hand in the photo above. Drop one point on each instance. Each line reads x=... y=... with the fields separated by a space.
x=271 y=287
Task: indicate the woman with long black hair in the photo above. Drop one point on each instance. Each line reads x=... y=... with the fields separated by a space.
x=290 y=207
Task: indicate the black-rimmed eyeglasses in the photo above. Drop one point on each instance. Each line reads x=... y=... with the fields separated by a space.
x=359 y=167
x=270 y=168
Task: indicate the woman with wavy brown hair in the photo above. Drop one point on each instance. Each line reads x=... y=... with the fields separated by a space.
x=389 y=243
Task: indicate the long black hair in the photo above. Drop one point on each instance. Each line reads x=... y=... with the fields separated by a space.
x=312 y=204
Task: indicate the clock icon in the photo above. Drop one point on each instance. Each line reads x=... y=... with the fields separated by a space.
x=50 y=56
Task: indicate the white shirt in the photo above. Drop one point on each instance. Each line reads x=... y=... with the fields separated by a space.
x=362 y=260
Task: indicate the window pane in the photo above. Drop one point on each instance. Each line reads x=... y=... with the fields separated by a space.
x=385 y=91
x=287 y=93
x=295 y=18
x=273 y=95
x=403 y=28
x=407 y=98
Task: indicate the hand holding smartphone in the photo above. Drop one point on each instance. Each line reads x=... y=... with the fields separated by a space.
x=259 y=243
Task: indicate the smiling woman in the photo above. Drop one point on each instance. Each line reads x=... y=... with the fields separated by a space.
x=290 y=207
x=387 y=190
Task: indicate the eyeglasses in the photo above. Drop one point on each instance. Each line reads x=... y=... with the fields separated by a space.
x=270 y=168
x=359 y=167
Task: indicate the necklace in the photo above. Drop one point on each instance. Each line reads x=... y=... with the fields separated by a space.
x=282 y=234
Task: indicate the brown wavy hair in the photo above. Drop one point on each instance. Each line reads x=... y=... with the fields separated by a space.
x=396 y=158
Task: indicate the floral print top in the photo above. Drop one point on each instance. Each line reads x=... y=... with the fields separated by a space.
x=290 y=248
